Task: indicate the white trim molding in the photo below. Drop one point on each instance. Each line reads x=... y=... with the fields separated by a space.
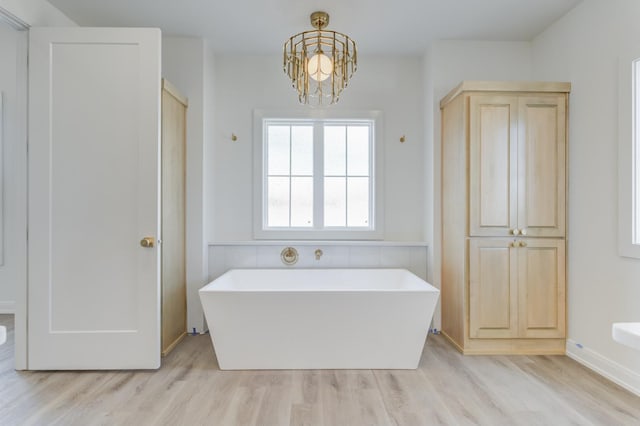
x=7 y=307
x=613 y=371
x=2 y=180
x=318 y=118
x=16 y=166
x=13 y=20
x=628 y=146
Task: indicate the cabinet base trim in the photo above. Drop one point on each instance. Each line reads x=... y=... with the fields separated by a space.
x=172 y=346
x=510 y=346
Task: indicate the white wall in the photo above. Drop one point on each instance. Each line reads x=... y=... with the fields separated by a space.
x=186 y=63
x=12 y=165
x=392 y=85
x=23 y=13
x=36 y=13
x=583 y=48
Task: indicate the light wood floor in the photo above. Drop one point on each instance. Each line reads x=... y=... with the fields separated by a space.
x=189 y=389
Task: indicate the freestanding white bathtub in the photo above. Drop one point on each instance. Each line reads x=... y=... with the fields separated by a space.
x=318 y=318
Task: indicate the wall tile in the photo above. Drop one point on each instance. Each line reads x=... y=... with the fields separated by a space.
x=364 y=257
x=396 y=257
x=241 y=257
x=269 y=257
x=222 y=258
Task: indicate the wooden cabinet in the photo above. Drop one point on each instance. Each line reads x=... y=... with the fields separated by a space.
x=517 y=165
x=174 y=278
x=504 y=216
x=516 y=288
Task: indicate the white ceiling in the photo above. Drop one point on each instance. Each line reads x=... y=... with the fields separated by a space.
x=378 y=26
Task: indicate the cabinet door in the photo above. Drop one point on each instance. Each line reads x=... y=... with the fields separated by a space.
x=541 y=165
x=541 y=288
x=493 y=298
x=493 y=165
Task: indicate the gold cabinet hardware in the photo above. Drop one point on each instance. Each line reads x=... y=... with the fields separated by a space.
x=318 y=254
x=515 y=231
x=522 y=244
x=147 y=242
x=523 y=231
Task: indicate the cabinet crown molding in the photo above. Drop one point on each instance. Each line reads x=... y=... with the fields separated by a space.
x=506 y=86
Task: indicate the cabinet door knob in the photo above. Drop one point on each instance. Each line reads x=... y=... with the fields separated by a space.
x=515 y=231
x=523 y=244
x=523 y=231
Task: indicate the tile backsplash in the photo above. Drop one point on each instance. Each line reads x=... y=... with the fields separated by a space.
x=413 y=257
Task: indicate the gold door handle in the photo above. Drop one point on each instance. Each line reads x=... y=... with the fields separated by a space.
x=147 y=242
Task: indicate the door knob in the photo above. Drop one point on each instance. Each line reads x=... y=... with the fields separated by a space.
x=515 y=231
x=147 y=242
x=523 y=231
x=523 y=244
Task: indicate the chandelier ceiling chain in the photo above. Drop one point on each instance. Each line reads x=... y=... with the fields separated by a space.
x=319 y=62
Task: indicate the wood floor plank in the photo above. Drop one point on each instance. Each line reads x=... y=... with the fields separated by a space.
x=410 y=399
x=465 y=395
x=306 y=405
x=190 y=389
x=562 y=376
x=337 y=404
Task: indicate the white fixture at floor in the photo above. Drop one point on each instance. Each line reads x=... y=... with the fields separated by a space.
x=627 y=333
x=3 y=334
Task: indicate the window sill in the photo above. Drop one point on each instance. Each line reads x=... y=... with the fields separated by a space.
x=629 y=250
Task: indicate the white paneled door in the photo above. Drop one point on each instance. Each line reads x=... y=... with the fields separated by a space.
x=94 y=114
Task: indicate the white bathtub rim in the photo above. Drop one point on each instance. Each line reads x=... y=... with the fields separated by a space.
x=225 y=282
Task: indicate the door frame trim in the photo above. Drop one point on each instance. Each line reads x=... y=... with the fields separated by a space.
x=14 y=21
x=21 y=302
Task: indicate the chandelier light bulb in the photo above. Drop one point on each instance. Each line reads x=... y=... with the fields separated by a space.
x=319 y=67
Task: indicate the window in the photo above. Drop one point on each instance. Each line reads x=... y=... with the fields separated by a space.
x=629 y=157
x=317 y=178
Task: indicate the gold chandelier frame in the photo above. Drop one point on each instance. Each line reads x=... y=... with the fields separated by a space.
x=338 y=47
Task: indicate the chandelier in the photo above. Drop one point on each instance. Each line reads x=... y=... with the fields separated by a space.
x=319 y=62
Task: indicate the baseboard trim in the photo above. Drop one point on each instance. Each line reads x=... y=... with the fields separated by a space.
x=613 y=371
x=7 y=307
x=172 y=346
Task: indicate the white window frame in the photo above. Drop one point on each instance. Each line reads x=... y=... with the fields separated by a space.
x=376 y=229
x=629 y=155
